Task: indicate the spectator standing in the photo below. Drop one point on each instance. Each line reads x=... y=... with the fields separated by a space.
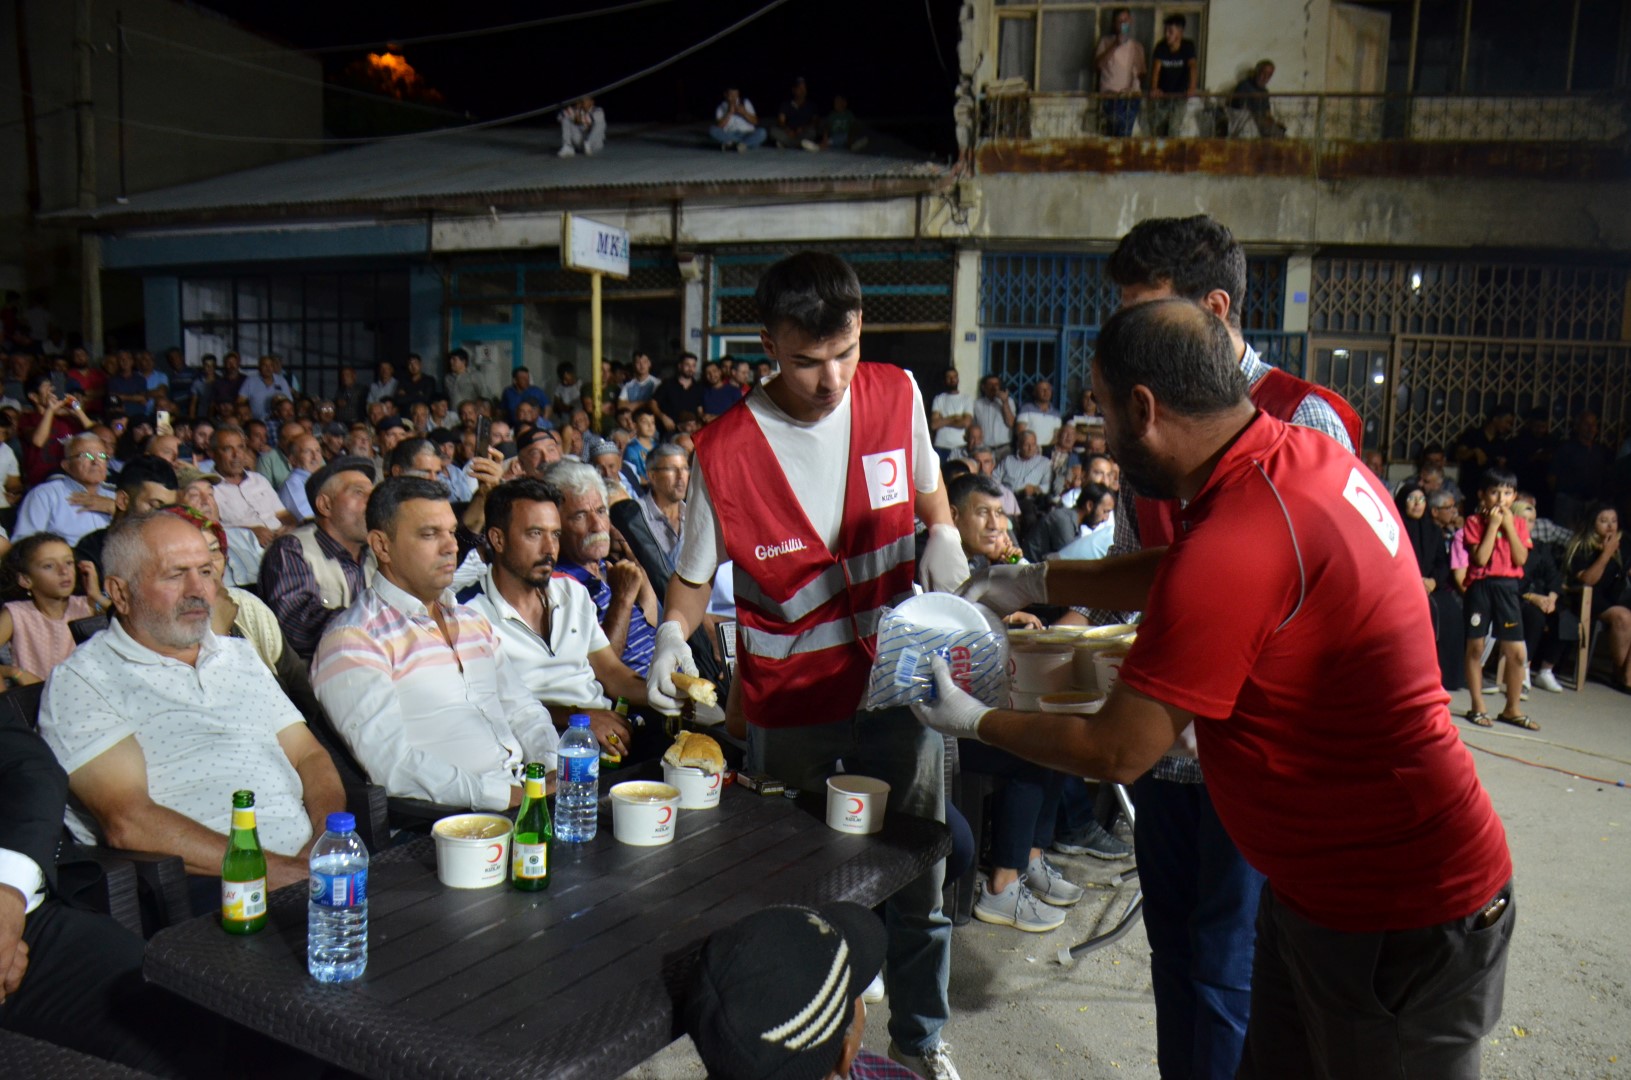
x=1530 y=455
x=384 y=387
x=583 y=128
x=796 y=121
x=321 y=567
x=127 y=387
x=1497 y=543
x=73 y=502
x=994 y=413
x=1248 y=108
x=679 y=397
x=950 y=416
x=1580 y=471
x=267 y=384
x=522 y=391
x=228 y=388
x=1484 y=446
x=1039 y=415
x=642 y=385
x=153 y=757
x=1428 y=542
x=1121 y=65
x=624 y=600
x=1175 y=72
x=718 y=393
x=415 y=388
x=736 y=124
x=179 y=382
x=416 y=683
x=460 y=383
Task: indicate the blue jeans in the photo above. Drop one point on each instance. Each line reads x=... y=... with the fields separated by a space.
x=892 y=746
x=1200 y=911
x=1120 y=114
x=1024 y=810
x=752 y=140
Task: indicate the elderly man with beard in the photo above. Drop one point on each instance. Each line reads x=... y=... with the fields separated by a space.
x=157 y=721
x=624 y=599
x=548 y=627
x=417 y=683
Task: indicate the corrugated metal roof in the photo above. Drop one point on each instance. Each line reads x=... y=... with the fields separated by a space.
x=511 y=166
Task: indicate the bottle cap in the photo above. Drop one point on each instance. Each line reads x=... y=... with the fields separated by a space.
x=578 y=720
x=342 y=822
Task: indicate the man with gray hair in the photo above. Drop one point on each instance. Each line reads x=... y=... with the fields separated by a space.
x=75 y=501
x=129 y=711
x=624 y=599
x=607 y=460
x=668 y=473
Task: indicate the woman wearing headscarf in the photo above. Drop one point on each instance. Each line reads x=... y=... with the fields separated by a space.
x=1433 y=557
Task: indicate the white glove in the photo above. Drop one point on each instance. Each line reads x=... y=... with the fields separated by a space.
x=1007 y=587
x=953 y=712
x=673 y=653
x=943 y=567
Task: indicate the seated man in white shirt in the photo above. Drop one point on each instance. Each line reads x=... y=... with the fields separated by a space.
x=158 y=721
x=246 y=498
x=548 y=628
x=414 y=681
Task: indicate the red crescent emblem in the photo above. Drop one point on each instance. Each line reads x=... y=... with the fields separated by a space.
x=495 y=853
x=666 y=816
x=1365 y=492
x=713 y=782
x=856 y=805
x=894 y=471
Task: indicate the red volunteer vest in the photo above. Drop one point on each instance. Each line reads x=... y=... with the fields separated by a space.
x=1278 y=394
x=807 y=617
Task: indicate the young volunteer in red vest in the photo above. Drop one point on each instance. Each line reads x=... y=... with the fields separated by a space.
x=1200 y=896
x=1327 y=745
x=811 y=491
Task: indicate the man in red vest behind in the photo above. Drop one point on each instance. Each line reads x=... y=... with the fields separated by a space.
x=1201 y=897
x=811 y=492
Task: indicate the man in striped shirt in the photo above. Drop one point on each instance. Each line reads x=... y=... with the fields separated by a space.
x=624 y=599
x=415 y=682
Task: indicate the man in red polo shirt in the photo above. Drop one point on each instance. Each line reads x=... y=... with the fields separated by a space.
x=810 y=490
x=1283 y=622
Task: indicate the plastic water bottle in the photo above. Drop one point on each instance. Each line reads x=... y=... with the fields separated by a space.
x=337 y=915
x=577 y=783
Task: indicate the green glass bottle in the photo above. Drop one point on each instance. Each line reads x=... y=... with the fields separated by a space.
x=534 y=835
x=243 y=871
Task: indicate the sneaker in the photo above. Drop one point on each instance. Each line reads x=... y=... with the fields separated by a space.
x=566 y=151
x=810 y=145
x=1547 y=681
x=932 y=1064
x=741 y=147
x=1049 y=885
x=874 y=990
x=1016 y=906
x=1092 y=839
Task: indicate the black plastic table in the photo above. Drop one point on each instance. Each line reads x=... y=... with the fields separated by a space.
x=577 y=981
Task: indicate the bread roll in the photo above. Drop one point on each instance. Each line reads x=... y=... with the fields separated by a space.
x=698 y=690
x=693 y=750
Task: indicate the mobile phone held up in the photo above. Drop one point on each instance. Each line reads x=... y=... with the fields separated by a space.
x=484 y=437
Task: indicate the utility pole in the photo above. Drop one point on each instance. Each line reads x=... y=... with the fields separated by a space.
x=90 y=248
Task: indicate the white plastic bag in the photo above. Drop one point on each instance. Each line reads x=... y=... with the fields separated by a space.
x=902 y=673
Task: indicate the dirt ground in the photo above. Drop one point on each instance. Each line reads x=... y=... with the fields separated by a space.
x=1016 y=1012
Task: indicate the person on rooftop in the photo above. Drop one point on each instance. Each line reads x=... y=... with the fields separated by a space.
x=583 y=128
x=736 y=123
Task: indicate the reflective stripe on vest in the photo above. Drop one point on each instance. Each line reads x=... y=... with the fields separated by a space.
x=821 y=636
x=867 y=566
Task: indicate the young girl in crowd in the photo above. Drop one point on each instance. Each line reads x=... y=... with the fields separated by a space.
x=41 y=569
x=1594 y=557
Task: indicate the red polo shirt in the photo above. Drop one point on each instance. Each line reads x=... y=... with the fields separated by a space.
x=1289 y=617
x=1500 y=563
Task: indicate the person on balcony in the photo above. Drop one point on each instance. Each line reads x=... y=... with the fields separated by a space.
x=1249 y=105
x=1121 y=65
x=1173 y=74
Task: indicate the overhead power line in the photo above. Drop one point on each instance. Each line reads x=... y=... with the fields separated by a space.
x=459 y=35
x=480 y=125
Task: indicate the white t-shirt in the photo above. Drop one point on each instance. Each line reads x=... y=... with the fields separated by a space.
x=815 y=459
x=947 y=405
x=1044 y=425
x=737 y=124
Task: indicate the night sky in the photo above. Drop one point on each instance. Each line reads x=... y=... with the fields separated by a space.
x=880 y=52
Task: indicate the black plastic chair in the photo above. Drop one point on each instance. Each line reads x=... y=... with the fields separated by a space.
x=88 y=627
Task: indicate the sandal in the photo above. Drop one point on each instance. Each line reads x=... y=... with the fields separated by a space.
x=1519 y=721
x=1480 y=718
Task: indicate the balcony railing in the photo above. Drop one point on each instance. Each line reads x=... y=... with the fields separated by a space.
x=1022 y=115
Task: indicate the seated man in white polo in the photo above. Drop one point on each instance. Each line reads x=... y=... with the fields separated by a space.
x=547 y=624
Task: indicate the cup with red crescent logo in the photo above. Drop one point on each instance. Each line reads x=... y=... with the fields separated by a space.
x=643 y=812
x=698 y=790
x=472 y=850
x=856 y=804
